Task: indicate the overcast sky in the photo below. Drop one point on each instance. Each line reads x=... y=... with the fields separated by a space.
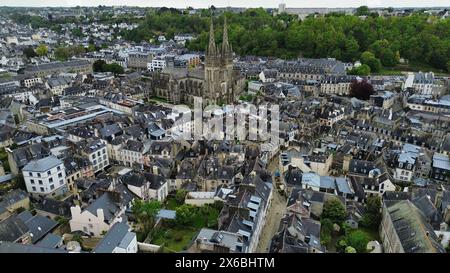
x=234 y=3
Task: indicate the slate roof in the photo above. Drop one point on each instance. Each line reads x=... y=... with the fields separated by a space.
x=38 y=225
x=43 y=164
x=13 y=197
x=8 y=247
x=415 y=233
x=117 y=236
x=107 y=204
x=50 y=241
x=12 y=228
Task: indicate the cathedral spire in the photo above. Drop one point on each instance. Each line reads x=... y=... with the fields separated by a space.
x=226 y=48
x=212 y=43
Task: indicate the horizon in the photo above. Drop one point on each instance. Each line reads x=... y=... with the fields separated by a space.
x=201 y=4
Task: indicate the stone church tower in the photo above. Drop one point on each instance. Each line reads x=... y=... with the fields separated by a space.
x=219 y=85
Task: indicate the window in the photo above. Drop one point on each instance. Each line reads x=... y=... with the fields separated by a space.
x=50 y=180
x=39 y=174
x=40 y=182
x=32 y=181
x=49 y=172
x=34 y=188
x=58 y=168
x=42 y=189
x=30 y=174
x=52 y=187
x=61 y=182
x=59 y=175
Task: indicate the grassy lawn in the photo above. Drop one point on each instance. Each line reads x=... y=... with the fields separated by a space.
x=174 y=239
x=373 y=235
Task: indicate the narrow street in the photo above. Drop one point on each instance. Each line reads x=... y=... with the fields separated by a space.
x=274 y=214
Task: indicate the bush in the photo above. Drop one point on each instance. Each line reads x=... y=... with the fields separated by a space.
x=358 y=239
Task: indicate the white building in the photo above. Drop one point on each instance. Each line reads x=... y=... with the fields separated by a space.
x=45 y=176
x=98 y=217
x=156 y=64
x=97 y=154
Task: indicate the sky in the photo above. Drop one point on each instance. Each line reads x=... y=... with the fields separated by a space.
x=233 y=3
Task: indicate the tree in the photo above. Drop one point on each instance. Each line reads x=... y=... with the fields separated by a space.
x=369 y=59
x=334 y=210
x=29 y=52
x=115 y=68
x=362 y=10
x=145 y=213
x=19 y=182
x=180 y=195
x=448 y=66
x=77 y=32
x=358 y=240
x=42 y=50
x=185 y=214
x=326 y=228
x=382 y=50
x=361 y=89
x=97 y=66
x=62 y=53
x=372 y=215
x=362 y=70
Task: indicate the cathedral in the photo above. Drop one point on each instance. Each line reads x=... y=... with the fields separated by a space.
x=217 y=82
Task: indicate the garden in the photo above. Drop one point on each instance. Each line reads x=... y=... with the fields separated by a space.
x=174 y=235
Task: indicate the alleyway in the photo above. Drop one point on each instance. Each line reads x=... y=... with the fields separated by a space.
x=276 y=211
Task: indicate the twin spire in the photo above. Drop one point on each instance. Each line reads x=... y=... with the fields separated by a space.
x=213 y=50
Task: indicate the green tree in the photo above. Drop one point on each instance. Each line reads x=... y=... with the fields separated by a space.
x=77 y=32
x=29 y=52
x=372 y=214
x=19 y=182
x=362 y=70
x=180 y=195
x=326 y=229
x=368 y=58
x=115 y=68
x=42 y=50
x=448 y=66
x=62 y=53
x=185 y=215
x=362 y=10
x=97 y=66
x=334 y=210
x=145 y=213
x=358 y=240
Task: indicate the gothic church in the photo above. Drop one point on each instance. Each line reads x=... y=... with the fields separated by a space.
x=216 y=83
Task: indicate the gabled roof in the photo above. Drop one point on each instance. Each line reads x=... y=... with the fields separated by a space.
x=107 y=204
x=117 y=236
x=38 y=225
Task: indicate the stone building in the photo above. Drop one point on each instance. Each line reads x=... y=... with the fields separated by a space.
x=217 y=82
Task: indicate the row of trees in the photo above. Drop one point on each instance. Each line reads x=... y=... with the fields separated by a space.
x=377 y=41
x=41 y=50
x=102 y=66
